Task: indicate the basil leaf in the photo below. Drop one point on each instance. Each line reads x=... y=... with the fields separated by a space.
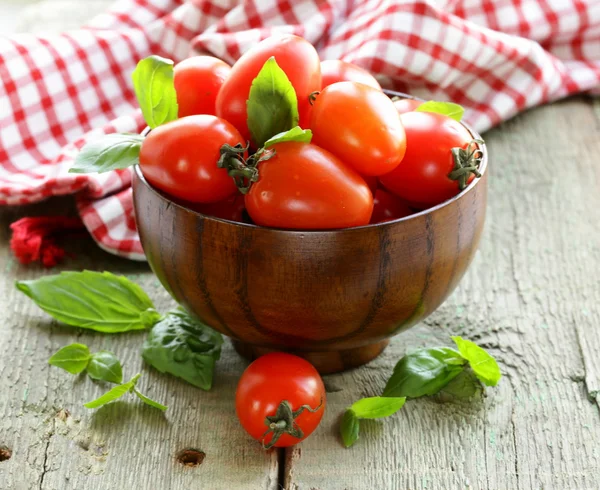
x=465 y=385
x=183 y=346
x=110 y=152
x=349 y=428
x=73 y=358
x=155 y=90
x=483 y=364
x=376 y=407
x=449 y=109
x=294 y=134
x=104 y=366
x=424 y=372
x=272 y=103
x=114 y=394
x=99 y=301
x=149 y=401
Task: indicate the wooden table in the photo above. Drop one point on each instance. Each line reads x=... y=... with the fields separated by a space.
x=532 y=297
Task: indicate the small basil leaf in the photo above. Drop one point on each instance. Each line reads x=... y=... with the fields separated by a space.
x=155 y=90
x=376 y=407
x=272 y=103
x=424 y=372
x=104 y=366
x=113 y=394
x=110 y=152
x=150 y=401
x=73 y=358
x=294 y=134
x=449 y=109
x=99 y=301
x=183 y=346
x=465 y=385
x=483 y=364
x=349 y=428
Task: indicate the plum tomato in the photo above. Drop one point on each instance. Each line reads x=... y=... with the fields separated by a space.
x=180 y=158
x=294 y=55
x=388 y=207
x=360 y=125
x=424 y=177
x=280 y=399
x=333 y=71
x=304 y=187
x=231 y=209
x=197 y=82
x=406 y=105
x=372 y=182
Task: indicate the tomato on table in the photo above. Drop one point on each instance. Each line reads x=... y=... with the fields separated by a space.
x=304 y=187
x=333 y=71
x=360 y=125
x=423 y=178
x=180 y=158
x=294 y=55
x=280 y=399
x=406 y=105
x=197 y=82
x=388 y=207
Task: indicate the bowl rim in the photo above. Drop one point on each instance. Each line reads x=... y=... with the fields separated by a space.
x=391 y=93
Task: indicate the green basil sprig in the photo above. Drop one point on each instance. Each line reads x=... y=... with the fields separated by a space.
x=183 y=346
x=97 y=301
x=367 y=408
x=272 y=104
x=72 y=358
x=120 y=390
x=294 y=134
x=101 y=366
x=450 y=109
x=482 y=363
x=109 y=152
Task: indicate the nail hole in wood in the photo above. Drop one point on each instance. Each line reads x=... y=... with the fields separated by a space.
x=5 y=454
x=190 y=457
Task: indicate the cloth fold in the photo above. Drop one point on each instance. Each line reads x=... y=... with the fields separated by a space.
x=57 y=91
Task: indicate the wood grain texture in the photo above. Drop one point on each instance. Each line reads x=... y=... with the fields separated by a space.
x=57 y=444
x=531 y=296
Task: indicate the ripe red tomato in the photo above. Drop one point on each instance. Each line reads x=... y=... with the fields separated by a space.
x=294 y=55
x=422 y=177
x=180 y=158
x=388 y=207
x=360 y=125
x=372 y=182
x=406 y=105
x=231 y=209
x=333 y=71
x=305 y=187
x=276 y=391
x=197 y=82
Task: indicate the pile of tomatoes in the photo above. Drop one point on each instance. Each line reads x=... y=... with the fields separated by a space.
x=370 y=159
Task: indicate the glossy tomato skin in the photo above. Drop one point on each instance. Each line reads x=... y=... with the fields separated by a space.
x=305 y=187
x=422 y=177
x=180 y=158
x=294 y=55
x=333 y=71
x=406 y=105
x=272 y=379
x=388 y=207
x=360 y=125
x=197 y=82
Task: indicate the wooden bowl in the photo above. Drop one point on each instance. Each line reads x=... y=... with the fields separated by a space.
x=332 y=297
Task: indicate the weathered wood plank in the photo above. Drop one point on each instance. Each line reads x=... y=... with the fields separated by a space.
x=532 y=296
x=58 y=444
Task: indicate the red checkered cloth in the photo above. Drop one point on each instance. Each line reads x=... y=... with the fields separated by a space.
x=495 y=57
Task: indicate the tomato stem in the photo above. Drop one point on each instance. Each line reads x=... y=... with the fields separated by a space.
x=284 y=422
x=313 y=96
x=466 y=162
x=244 y=172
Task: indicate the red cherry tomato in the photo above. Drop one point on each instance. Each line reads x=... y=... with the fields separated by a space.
x=387 y=207
x=359 y=125
x=197 y=82
x=333 y=71
x=406 y=105
x=422 y=177
x=276 y=385
x=305 y=187
x=180 y=158
x=294 y=55
x=231 y=209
